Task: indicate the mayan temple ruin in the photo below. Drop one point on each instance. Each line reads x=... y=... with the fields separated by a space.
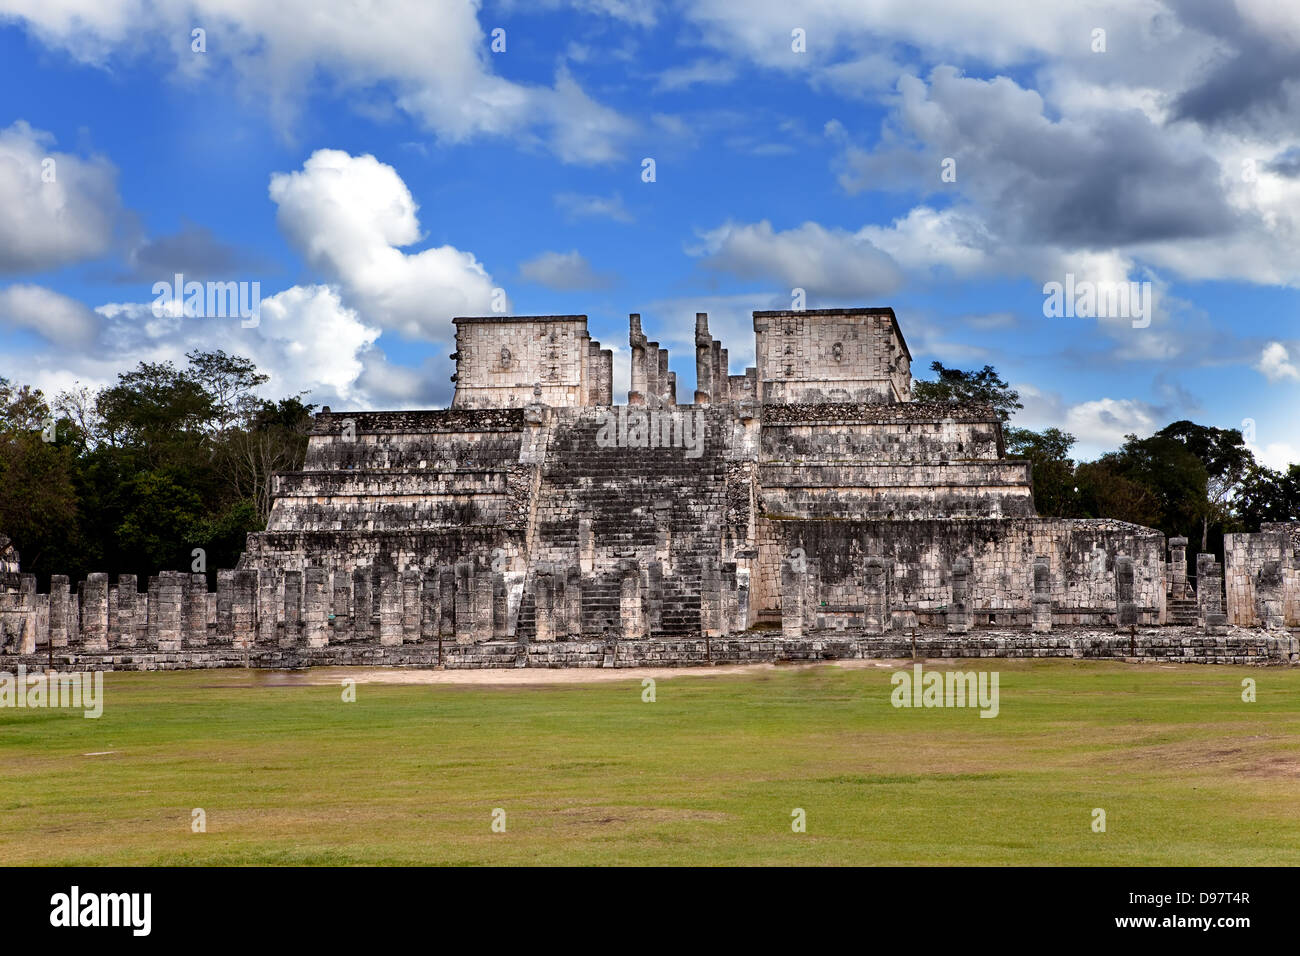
x=805 y=509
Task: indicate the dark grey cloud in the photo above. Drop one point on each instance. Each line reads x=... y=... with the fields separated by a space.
x=1255 y=82
x=1101 y=179
x=195 y=251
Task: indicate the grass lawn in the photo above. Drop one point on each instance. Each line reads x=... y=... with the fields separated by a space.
x=709 y=773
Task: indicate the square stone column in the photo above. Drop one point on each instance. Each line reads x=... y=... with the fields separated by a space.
x=315 y=607
x=876 y=616
x=1178 y=588
x=1125 y=607
x=243 y=610
x=794 y=582
x=1042 y=620
x=1209 y=595
x=960 y=615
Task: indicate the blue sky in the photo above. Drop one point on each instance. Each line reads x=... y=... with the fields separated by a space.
x=378 y=175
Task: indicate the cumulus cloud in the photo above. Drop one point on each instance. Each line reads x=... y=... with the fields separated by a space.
x=563 y=271
x=432 y=58
x=349 y=216
x=307 y=340
x=54 y=317
x=825 y=262
x=1275 y=364
x=57 y=207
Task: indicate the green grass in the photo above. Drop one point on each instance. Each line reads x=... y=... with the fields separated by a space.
x=410 y=774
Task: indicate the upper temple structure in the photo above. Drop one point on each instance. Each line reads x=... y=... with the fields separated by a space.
x=806 y=507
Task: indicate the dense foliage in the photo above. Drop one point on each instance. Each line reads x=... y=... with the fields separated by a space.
x=136 y=476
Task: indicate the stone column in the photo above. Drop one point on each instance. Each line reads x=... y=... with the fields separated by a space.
x=631 y=614
x=573 y=603
x=653 y=390
x=961 y=616
x=59 y=618
x=1209 y=595
x=390 y=607
x=543 y=606
x=267 y=606
x=710 y=596
x=1270 y=611
x=94 y=613
x=1042 y=621
x=341 y=607
x=128 y=611
x=794 y=580
x=169 y=605
x=362 y=604
x=243 y=610
x=447 y=602
x=411 y=605
x=1125 y=606
x=1178 y=569
x=195 y=600
x=500 y=607
x=315 y=606
x=430 y=606
x=482 y=605
x=464 y=602
x=703 y=359
x=637 y=342
x=876 y=616
x=292 y=608
x=722 y=384
x=225 y=607
x=667 y=390
x=28 y=622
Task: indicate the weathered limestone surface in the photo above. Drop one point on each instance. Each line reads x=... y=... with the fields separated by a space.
x=806 y=508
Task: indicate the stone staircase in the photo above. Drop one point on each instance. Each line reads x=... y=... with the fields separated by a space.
x=642 y=506
x=1180 y=612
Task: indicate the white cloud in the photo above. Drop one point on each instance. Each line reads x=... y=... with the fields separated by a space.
x=1275 y=364
x=348 y=216
x=827 y=263
x=433 y=57
x=307 y=340
x=45 y=224
x=577 y=206
x=56 y=318
x=563 y=271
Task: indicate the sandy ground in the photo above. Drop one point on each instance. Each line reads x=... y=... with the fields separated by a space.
x=508 y=677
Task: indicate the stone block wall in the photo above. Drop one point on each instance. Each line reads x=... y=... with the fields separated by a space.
x=1262 y=576
x=831 y=355
x=511 y=361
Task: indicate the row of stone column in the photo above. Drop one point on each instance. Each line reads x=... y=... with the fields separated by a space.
x=600 y=374
x=712 y=367
x=312 y=607
x=877 y=613
x=651 y=382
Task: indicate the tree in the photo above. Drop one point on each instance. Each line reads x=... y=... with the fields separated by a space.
x=1055 y=493
x=229 y=381
x=1267 y=495
x=1172 y=481
x=1226 y=458
x=984 y=387
x=38 y=502
x=275 y=439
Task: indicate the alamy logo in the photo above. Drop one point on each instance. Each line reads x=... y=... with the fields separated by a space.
x=1098 y=300
x=213 y=300
x=77 y=689
x=75 y=908
x=916 y=688
x=652 y=428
